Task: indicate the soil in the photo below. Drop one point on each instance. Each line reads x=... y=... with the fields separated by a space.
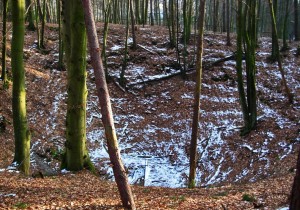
x=266 y=183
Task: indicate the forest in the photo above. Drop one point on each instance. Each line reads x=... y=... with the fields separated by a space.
x=150 y=104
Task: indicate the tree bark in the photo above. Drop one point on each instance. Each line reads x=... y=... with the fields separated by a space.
x=134 y=43
x=76 y=156
x=4 y=36
x=277 y=53
x=296 y=20
x=228 y=22
x=106 y=111
x=30 y=16
x=21 y=130
x=295 y=194
x=197 y=93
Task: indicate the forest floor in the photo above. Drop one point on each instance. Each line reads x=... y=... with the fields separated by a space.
x=153 y=122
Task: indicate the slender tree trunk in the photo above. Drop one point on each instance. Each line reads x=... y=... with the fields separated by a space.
x=43 y=25
x=107 y=13
x=4 y=36
x=197 y=93
x=76 y=155
x=30 y=16
x=277 y=53
x=239 y=67
x=137 y=11
x=172 y=20
x=106 y=111
x=285 y=26
x=151 y=13
x=250 y=54
x=60 y=39
x=274 y=55
x=228 y=22
x=37 y=26
x=122 y=79
x=216 y=15
x=296 y=20
x=134 y=43
x=295 y=194
x=21 y=130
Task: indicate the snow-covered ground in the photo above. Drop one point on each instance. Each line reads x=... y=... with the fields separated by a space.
x=156 y=154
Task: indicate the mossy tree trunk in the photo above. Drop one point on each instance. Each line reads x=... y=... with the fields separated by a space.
x=4 y=31
x=285 y=27
x=137 y=11
x=30 y=16
x=246 y=36
x=277 y=53
x=197 y=93
x=76 y=155
x=21 y=130
x=106 y=111
x=274 y=51
x=172 y=23
x=42 y=44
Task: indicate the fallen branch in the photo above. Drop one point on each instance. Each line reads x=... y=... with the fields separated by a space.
x=205 y=66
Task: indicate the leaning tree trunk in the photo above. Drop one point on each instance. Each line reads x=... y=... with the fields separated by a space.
x=21 y=130
x=76 y=155
x=274 y=51
x=193 y=147
x=277 y=54
x=295 y=195
x=106 y=111
x=4 y=31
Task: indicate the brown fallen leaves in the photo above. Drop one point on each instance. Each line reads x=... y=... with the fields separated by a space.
x=84 y=190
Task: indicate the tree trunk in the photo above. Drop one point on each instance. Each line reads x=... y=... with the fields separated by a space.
x=30 y=16
x=137 y=11
x=21 y=130
x=107 y=13
x=43 y=25
x=197 y=93
x=274 y=55
x=295 y=194
x=76 y=155
x=215 y=15
x=172 y=23
x=151 y=13
x=228 y=22
x=285 y=26
x=122 y=79
x=4 y=36
x=106 y=111
x=296 y=20
x=60 y=39
x=37 y=26
x=277 y=54
x=134 y=43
